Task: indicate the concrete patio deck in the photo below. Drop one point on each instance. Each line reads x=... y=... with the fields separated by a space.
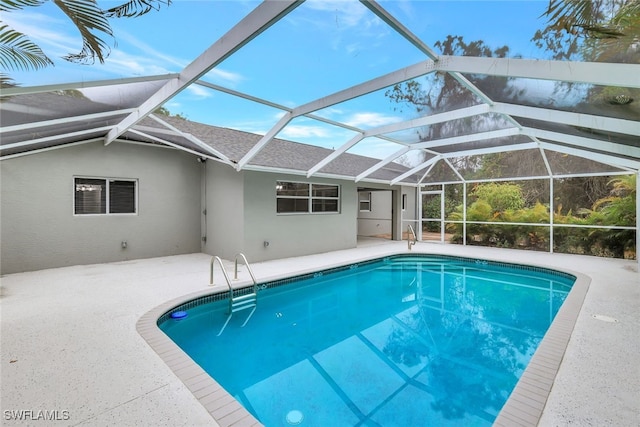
x=70 y=349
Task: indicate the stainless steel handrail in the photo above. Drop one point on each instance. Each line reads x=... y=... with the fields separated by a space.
x=411 y=232
x=224 y=271
x=241 y=302
x=235 y=276
x=244 y=258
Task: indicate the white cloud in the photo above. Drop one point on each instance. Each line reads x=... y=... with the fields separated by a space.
x=132 y=56
x=299 y=131
x=376 y=148
x=349 y=14
x=54 y=38
x=150 y=53
x=407 y=7
x=330 y=112
x=342 y=20
x=199 y=91
x=154 y=56
x=45 y=31
x=226 y=77
x=156 y=60
x=353 y=47
x=370 y=120
x=124 y=64
x=173 y=105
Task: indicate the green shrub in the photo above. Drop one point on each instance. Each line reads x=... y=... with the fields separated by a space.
x=499 y=202
x=501 y=197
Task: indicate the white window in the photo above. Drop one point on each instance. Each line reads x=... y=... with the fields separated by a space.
x=306 y=197
x=404 y=202
x=364 y=201
x=104 y=196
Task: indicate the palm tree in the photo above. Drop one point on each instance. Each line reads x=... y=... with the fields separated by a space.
x=17 y=51
x=611 y=28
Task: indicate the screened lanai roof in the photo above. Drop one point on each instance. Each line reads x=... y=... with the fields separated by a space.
x=308 y=88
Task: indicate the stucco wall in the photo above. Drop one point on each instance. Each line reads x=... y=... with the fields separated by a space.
x=409 y=212
x=38 y=228
x=225 y=210
x=294 y=234
x=377 y=221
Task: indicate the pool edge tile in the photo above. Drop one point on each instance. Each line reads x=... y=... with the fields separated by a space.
x=550 y=351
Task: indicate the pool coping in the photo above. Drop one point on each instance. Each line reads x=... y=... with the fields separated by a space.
x=524 y=406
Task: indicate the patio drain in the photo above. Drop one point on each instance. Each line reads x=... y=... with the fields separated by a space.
x=604 y=318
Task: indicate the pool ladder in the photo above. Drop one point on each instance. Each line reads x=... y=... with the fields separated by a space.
x=239 y=302
x=411 y=233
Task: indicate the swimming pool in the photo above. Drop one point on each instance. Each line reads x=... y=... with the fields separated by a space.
x=403 y=340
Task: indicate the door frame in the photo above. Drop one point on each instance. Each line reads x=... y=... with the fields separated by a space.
x=421 y=217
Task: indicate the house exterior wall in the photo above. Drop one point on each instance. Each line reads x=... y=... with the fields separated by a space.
x=385 y=201
x=38 y=228
x=409 y=214
x=377 y=221
x=294 y=234
x=224 y=191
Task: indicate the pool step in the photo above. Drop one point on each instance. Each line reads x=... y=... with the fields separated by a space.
x=243 y=302
x=240 y=302
x=427 y=267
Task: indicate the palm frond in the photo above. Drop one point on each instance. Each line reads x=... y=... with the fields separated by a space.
x=623 y=185
x=135 y=8
x=628 y=15
x=17 y=52
x=568 y=14
x=9 y=5
x=6 y=82
x=601 y=31
x=583 y=17
x=89 y=19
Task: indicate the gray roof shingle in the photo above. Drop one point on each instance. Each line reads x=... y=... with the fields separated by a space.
x=234 y=144
x=278 y=153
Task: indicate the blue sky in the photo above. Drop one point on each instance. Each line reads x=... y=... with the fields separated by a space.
x=320 y=48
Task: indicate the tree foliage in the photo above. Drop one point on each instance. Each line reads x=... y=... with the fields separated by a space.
x=619 y=207
x=501 y=197
x=163 y=111
x=593 y=30
x=495 y=204
x=19 y=52
x=442 y=92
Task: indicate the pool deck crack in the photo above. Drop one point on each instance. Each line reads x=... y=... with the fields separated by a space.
x=93 y=417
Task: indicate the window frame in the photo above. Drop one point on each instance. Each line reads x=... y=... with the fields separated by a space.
x=366 y=201
x=310 y=198
x=107 y=203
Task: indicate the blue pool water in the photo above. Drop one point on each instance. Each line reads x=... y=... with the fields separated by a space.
x=400 y=341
